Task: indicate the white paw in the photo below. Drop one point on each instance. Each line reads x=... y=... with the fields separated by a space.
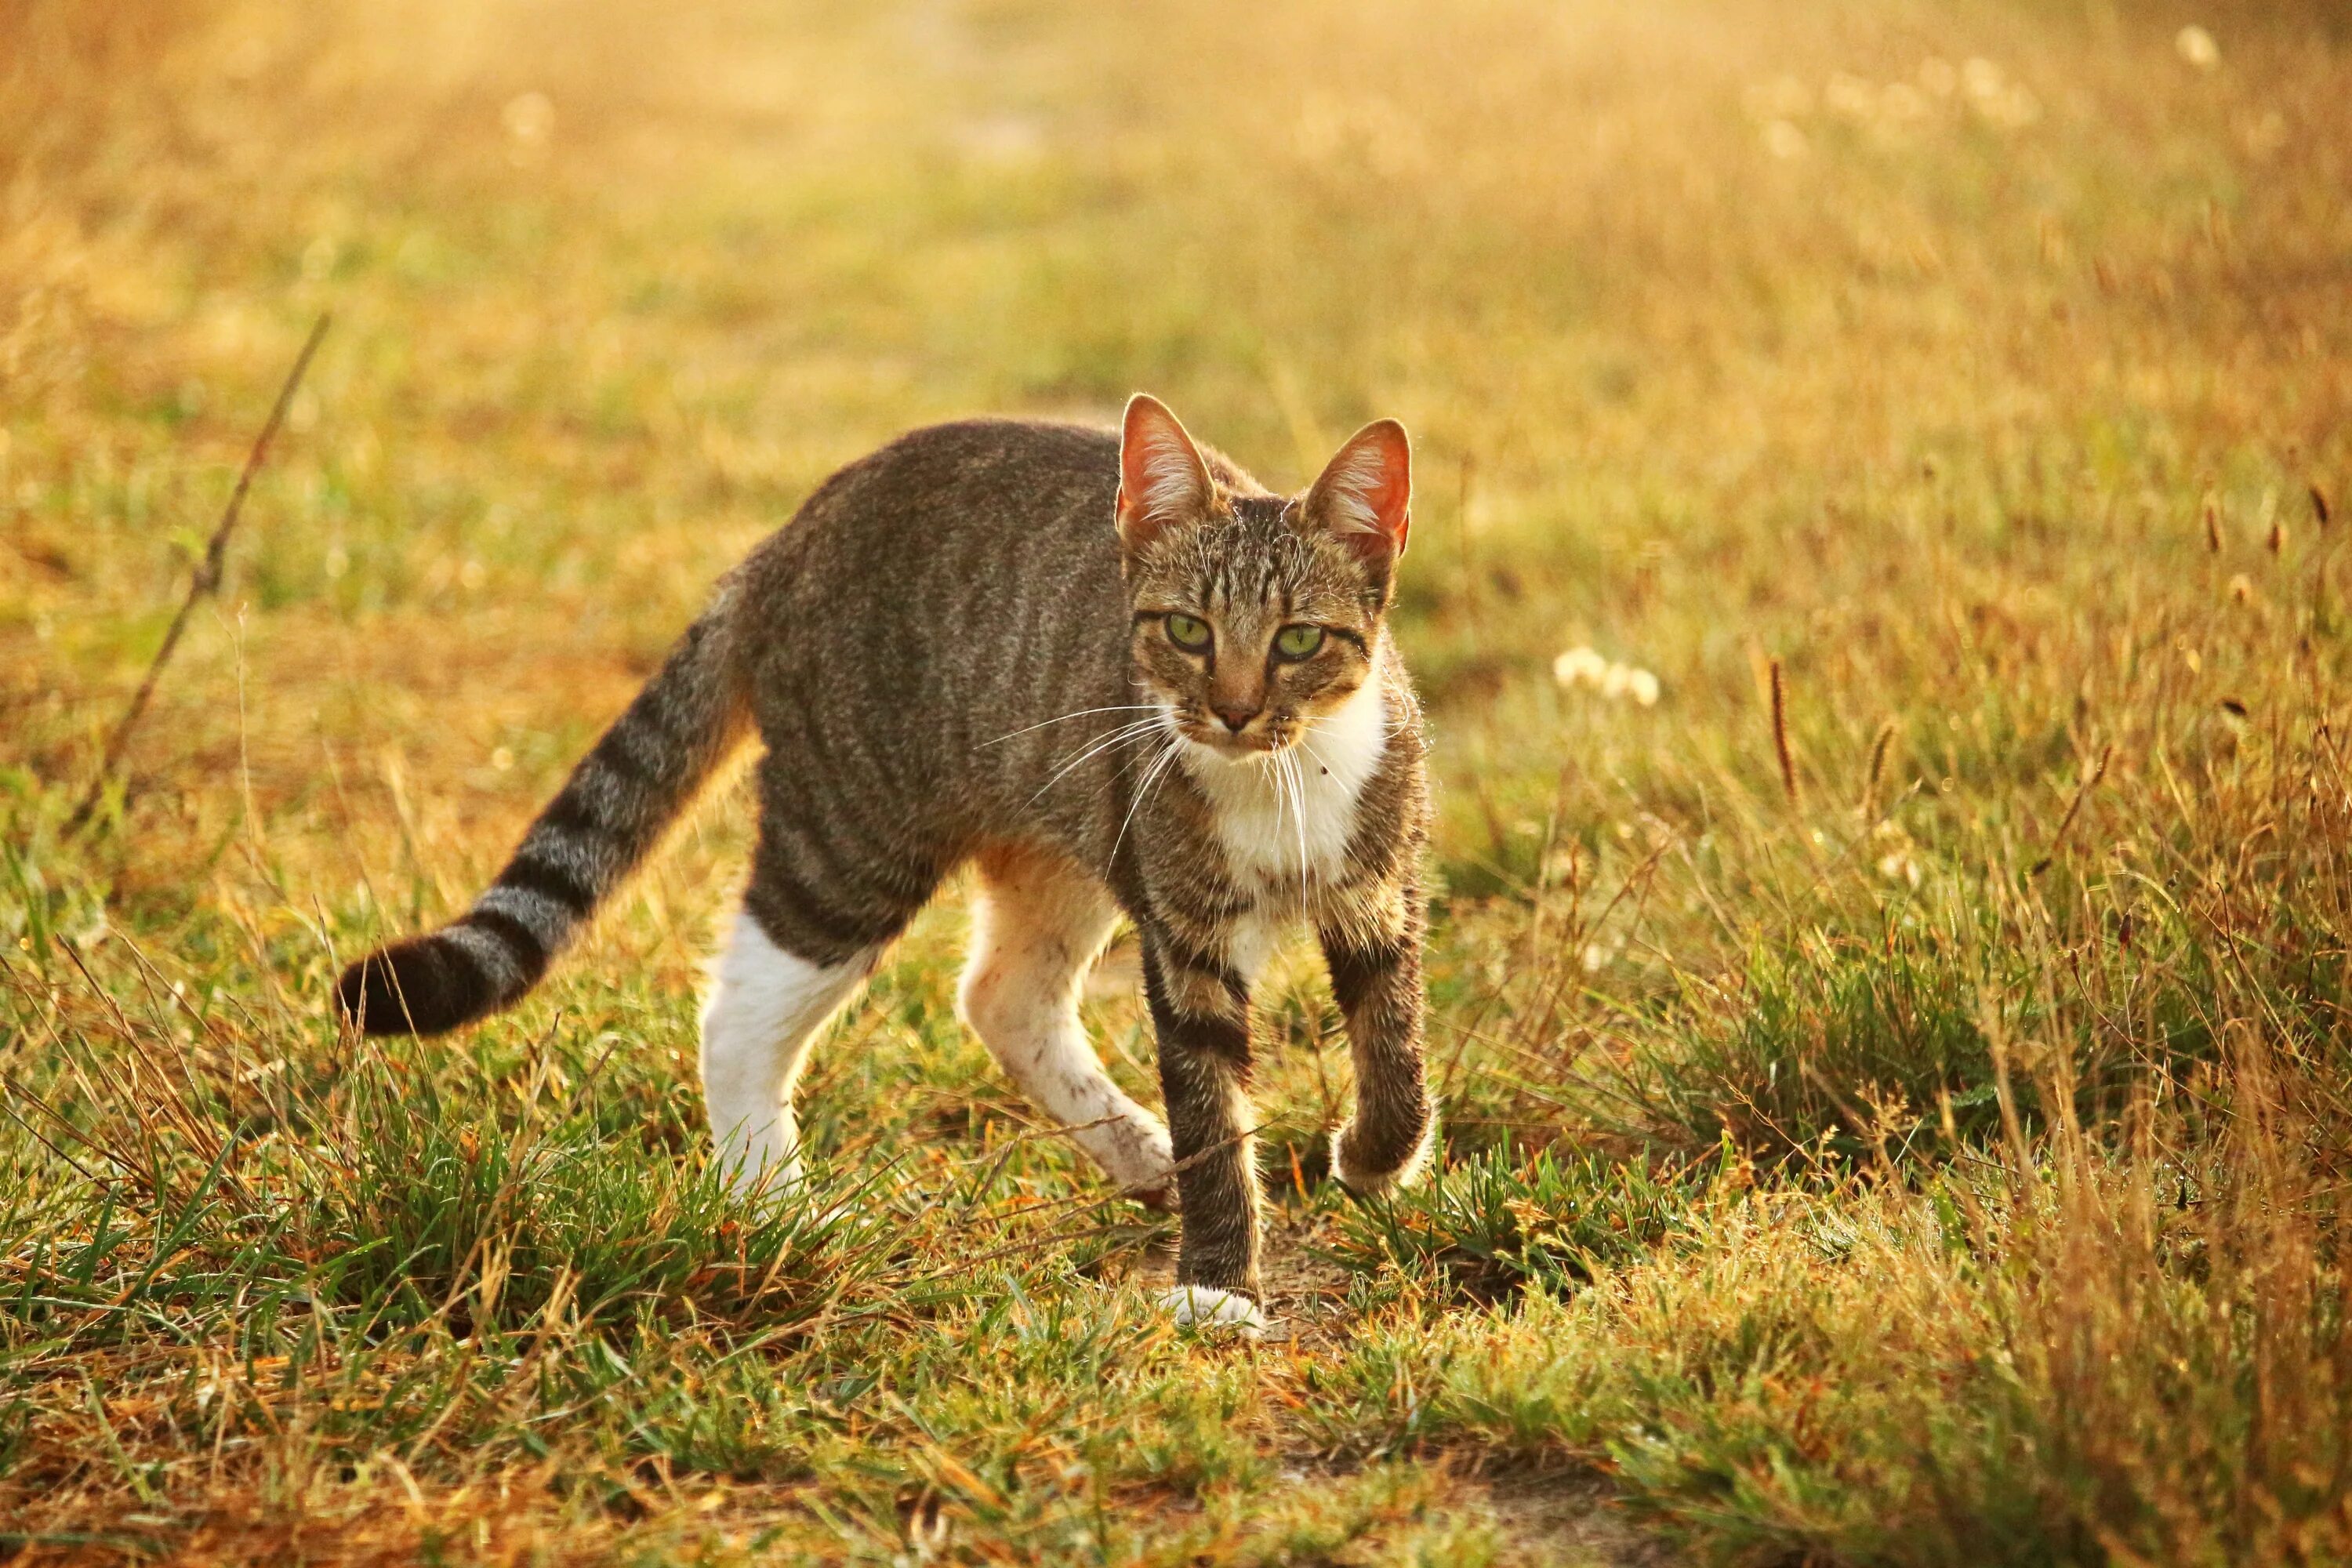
x=1381 y=1184
x=1206 y=1306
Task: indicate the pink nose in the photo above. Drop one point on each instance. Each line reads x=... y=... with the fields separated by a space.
x=1237 y=719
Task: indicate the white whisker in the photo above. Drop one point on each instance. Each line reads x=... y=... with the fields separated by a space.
x=1278 y=775
x=1127 y=731
x=1297 y=786
x=1151 y=777
x=1065 y=718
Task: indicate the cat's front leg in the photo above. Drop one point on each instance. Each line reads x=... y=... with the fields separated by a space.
x=1374 y=958
x=1199 y=1008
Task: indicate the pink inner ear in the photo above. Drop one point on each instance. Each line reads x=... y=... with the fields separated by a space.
x=1162 y=480
x=1393 y=504
x=1365 y=495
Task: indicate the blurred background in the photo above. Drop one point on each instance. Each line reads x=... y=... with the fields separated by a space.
x=1701 y=312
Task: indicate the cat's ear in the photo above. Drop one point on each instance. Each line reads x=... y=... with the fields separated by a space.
x=1162 y=482
x=1364 y=496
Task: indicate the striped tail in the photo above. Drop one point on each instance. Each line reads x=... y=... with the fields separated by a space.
x=608 y=816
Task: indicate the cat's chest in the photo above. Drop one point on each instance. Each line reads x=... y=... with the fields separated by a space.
x=1284 y=825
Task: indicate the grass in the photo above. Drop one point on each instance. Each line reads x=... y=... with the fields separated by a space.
x=1896 y=1084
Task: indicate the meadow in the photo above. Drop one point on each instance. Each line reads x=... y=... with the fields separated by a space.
x=1881 y=472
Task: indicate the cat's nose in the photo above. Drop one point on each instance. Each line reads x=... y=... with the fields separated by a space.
x=1237 y=719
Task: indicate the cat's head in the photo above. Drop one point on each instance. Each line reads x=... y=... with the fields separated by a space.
x=1256 y=614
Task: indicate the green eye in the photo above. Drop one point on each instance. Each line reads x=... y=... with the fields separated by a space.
x=1188 y=634
x=1298 y=642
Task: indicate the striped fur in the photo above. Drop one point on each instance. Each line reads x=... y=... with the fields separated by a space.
x=609 y=815
x=1058 y=655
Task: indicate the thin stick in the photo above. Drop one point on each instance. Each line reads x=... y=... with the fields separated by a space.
x=207 y=581
x=2081 y=791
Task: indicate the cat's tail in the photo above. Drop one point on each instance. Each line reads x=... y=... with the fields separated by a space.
x=640 y=777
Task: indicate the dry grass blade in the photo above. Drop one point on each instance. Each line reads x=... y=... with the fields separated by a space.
x=2073 y=805
x=1779 y=689
x=1874 y=775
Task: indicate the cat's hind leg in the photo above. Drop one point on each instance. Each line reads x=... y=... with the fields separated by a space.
x=1038 y=923
x=829 y=892
x=764 y=1013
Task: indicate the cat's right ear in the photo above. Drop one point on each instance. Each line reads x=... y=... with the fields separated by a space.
x=1162 y=482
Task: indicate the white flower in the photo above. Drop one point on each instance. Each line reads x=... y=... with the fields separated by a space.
x=1901 y=861
x=1585 y=666
x=1578 y=665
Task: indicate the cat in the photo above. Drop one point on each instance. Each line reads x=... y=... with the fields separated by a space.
x=1112 y=674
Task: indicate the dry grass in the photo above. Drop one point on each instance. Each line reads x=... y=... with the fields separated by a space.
x=1896 y=1082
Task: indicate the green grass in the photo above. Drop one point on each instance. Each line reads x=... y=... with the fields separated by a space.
x=1935 y=1154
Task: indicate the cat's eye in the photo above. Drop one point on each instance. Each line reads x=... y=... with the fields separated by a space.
x=1298 y=642
x=1190 y=635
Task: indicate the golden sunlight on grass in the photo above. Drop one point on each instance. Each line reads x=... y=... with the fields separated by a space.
x=1882 y=467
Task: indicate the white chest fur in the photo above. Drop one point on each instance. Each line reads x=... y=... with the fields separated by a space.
x=1285 y=821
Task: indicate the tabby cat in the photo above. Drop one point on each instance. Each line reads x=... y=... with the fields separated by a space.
x=1111 y=674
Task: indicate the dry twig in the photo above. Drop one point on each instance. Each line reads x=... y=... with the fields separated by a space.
x=207 y=581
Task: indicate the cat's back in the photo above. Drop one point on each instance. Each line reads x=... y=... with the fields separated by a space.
x=949 y=519
x=959 y=585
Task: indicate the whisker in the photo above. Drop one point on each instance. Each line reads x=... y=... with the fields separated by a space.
x=1142 y=758
x=1127 y=731
x=1298 y=788
x=1142 y=788
x=1132 y=727
x=1280 y=777
x=1065 y=718
x=1160 y=765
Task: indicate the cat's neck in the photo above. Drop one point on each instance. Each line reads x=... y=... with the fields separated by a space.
x=1285 y=821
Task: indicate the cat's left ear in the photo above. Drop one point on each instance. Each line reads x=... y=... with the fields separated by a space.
x=1364 y=496
x=1162 y=482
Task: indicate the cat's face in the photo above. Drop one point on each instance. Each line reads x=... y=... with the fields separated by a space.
x=1256 y=614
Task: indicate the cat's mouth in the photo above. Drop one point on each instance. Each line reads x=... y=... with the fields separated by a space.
x=1261 y=738
x=1258 y=741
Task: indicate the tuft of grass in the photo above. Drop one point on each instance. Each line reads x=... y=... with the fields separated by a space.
x=1490 y=1225
x=2058 y=1361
